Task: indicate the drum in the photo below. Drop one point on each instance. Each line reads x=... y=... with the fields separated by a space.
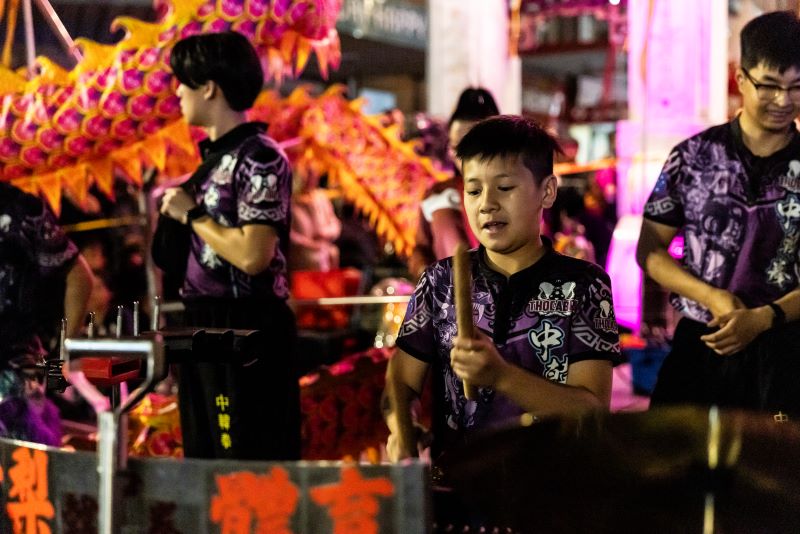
x=681 y=469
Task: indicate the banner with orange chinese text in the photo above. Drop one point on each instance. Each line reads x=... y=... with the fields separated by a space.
x=46 y=490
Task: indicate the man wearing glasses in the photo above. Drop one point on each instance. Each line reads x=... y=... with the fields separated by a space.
x=734 y=192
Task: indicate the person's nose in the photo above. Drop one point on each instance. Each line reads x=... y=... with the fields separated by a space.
x=488 y=201
x=781 y=97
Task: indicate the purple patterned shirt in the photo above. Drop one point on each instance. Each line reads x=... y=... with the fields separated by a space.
x=250 y=182
x=35 y=255
x=740 y=215
x=554 y=313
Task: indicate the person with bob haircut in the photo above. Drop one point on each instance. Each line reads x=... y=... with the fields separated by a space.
x=235 y=210
x=733 y=190
x=546 y=335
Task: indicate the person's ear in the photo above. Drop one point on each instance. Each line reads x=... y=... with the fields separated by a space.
x=210 y=90
x=549 y=191
x=740 y=79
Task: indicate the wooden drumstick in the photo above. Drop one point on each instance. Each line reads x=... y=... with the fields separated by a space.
x=463 y=282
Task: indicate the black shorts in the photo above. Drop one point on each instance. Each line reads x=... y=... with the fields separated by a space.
x=765 y=376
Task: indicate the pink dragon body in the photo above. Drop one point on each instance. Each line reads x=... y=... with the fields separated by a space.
x=62 y=124
x=116 y=111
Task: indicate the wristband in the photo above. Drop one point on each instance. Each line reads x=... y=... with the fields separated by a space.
x=780 y=316
x=195 y=213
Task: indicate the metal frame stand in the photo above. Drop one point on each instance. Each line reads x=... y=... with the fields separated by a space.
x=112 y=421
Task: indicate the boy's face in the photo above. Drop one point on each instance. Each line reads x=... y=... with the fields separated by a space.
x=504 y=204
x=769 y=107
x=192 y=104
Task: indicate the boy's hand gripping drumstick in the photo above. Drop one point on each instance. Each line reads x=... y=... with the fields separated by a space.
x=463 y=300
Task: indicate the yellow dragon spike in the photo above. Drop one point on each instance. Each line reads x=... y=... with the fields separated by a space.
x=182 y=12
x=95 y=56
x=11 y=82
x=138 y=33
x=50 y=73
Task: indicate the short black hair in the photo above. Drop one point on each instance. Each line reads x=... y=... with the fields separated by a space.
x=474 y=104
x=511 y=135
x=226 y=58
x=772 y=39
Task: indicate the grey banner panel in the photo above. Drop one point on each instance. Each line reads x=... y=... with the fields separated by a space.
x=202 y=496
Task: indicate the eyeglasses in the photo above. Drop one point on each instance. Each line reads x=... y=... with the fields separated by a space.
x=769 y=91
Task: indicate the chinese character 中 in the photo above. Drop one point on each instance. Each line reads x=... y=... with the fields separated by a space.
x=222 y=402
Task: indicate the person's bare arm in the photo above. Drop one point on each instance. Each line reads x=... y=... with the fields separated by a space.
x=302 y=229
x=739 y=327
x=250 y=248
x=653 y=257
x=790 y=304
x=76 y=295
x=588 y=384
x=405 y=376
x=588 y=388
